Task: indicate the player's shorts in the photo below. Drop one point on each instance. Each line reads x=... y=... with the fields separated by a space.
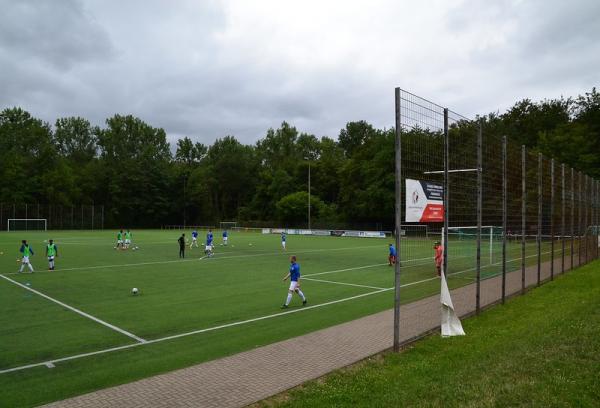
x=294 y=285
x=194 y=239
x=208 y=247
x=128 y=241
x=283 y=244
x=224 y=239
x=119 y=241
x=51 y=258
x=25 y=260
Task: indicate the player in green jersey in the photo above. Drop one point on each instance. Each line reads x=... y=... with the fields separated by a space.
x=119 y=240
x=26 y=251
x=51 y=252
x=127 y=239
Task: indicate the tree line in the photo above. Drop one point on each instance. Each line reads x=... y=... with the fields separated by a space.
x=128 y=166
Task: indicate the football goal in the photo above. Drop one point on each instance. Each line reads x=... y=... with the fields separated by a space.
x=227 y=225
x=491 y=238
x=415 y=231
x=27 y=224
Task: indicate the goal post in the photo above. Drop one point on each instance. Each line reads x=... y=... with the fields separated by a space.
x=227 y=225
x=491 y=235
x=415 y=231
x=27 y=224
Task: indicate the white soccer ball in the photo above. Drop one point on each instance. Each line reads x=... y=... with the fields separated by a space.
x=134 y=291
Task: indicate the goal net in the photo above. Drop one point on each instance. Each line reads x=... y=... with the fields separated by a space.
x=415 y=231
x=227 y=225
x=26 y=224
x=491 y=240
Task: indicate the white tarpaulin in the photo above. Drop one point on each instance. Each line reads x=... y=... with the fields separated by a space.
x=450 y=322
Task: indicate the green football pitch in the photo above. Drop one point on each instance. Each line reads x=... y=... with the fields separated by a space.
x=79 y=328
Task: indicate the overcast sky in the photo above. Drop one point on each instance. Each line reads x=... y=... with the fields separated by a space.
x=206 y=69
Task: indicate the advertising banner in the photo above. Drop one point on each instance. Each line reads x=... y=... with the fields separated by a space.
x=424 y=201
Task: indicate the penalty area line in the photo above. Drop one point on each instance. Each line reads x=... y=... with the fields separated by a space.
x=79 y=312
x=344 y=283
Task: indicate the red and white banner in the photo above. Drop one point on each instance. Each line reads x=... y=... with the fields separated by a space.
x=424 y=201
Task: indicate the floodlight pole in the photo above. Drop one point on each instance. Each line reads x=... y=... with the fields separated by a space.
x=398 y=226
x=504 y=219
x=523 y=215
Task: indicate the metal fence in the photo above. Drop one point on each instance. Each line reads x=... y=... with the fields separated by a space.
x=57 y=217
x=512 y=217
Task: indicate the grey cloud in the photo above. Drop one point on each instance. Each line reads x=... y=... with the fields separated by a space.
x=58 y=33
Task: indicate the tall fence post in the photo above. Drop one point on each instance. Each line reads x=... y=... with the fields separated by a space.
x=552 y=219
x=479 y=205
x=398 y=222
x=504 y=219
x=579 y=218
x=539 y=220
x=585 y=222
x=562 y=220
x=572 y=216
x=446 y=192
x=523 y=215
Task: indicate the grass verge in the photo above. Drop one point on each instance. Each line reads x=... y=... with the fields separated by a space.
x=542 y=350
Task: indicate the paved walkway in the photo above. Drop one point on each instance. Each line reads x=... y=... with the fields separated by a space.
x=254 y=375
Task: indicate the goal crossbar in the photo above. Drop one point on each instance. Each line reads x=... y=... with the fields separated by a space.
x=27 y=221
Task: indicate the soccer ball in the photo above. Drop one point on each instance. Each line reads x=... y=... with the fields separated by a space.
x=134 y=291
x=250 y=244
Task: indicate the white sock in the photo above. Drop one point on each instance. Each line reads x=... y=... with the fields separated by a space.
x=289 y=299
x=301 y=295
x=30 y=267
x=22 y=266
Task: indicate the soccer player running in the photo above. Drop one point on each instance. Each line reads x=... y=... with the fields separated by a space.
x=294 y=275
x=208 y=249
x=26 y=251
x=283 y=238
x=225 y=237
x=127 y=239
x=181 y=241
x=392 y=256
x=194 y=239
x=51 y=253
x=119 y=240
x=439 y=257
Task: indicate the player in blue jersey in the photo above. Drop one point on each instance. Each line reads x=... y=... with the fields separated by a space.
x=393 y=255
x=194 y=239
x=225 y=237
x=294 y=275
x=208 y=249
x=283 y=238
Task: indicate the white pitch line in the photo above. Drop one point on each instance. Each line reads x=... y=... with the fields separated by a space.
x=84 y=314
x=343 y=283
x=215 y=257
x=176 y=336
